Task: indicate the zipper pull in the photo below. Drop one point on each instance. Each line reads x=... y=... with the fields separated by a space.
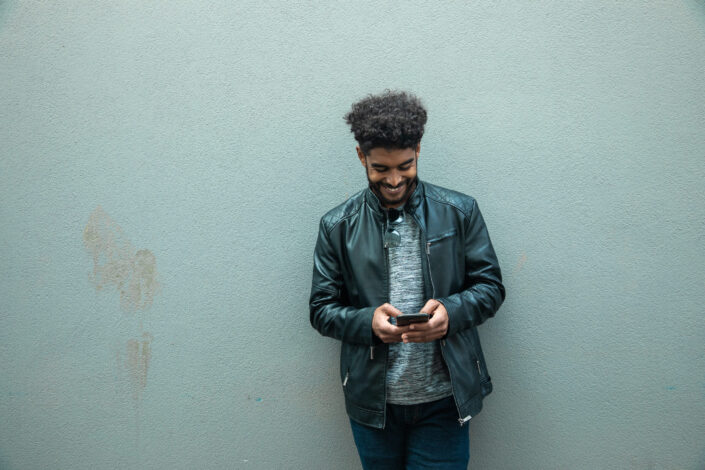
x=372 y=352
x=478 y=367
x=464 y=420
x=345 y=381
x=428 y=248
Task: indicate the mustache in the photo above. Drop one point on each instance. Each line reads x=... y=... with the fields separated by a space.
x=389 y=186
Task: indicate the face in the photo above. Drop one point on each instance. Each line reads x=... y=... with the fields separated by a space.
x=391 y=173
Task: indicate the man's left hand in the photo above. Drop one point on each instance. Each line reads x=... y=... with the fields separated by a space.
x=435 y=328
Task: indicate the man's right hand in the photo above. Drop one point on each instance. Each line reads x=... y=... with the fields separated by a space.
x=384 y=330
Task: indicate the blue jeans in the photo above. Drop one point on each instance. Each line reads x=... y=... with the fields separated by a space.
x=415 y=436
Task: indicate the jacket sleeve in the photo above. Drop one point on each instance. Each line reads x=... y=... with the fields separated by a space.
x=328 y=313
x=484 y=292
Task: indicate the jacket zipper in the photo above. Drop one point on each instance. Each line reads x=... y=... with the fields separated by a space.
x=347 y=376
x=386 y=265
x=428 y=259
x=443 y=341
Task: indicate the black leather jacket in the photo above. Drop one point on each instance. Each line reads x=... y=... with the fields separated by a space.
x=350 y=280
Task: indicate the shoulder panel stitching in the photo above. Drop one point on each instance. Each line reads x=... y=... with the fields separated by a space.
x=448 y=203
x=343 y=218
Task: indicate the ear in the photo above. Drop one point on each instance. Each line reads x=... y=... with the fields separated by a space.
x=361 y=156
x=418 y=149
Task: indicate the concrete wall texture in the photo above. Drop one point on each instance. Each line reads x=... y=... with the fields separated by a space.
x=163 y=166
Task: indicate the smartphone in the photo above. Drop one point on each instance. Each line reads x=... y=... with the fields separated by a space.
x=406 y=319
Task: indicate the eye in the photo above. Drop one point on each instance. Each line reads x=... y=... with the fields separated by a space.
x=405 y=167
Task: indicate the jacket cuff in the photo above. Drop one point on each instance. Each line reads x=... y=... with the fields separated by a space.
x=455 y=322
x=365 y=326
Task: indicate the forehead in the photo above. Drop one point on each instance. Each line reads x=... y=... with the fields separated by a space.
x=390 y=157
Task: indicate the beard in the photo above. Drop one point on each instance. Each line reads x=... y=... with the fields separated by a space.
x=410 y=185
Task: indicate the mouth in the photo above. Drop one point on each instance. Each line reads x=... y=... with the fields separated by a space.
x=391 y=196
x=393 y=191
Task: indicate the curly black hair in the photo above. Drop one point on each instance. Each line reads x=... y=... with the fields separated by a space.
x=392 y=119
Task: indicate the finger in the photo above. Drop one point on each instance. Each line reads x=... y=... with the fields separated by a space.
x=414 y=338
x=420 y=338
x=421 y=326
x=392 y=337
x=429 y=333
x=392 y=330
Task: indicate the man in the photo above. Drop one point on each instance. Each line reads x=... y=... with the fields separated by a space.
x=402 y=246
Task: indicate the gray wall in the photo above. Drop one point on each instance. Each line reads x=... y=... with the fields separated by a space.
x=164 y=165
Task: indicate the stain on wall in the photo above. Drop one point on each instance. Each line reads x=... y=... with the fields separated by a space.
x=133 y=273
x=139 y=353
x=117 y=263
x=520 y=263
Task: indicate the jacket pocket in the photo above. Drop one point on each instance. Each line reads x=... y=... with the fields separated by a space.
x=446 y=263
x=362 y=379
x=441 y=236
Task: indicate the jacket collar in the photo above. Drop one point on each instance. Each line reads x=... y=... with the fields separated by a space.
x=411 y=204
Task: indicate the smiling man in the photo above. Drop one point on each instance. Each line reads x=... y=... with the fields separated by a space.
x=397 y=249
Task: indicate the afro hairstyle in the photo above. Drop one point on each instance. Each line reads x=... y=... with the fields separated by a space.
x=392 y=119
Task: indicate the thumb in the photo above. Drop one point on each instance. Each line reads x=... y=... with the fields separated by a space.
x=430 y=306
x=391 y=310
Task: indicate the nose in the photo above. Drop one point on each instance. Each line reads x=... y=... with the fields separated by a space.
x=394 y=179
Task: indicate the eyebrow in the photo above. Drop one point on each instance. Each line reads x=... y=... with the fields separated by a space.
x=379 y=165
